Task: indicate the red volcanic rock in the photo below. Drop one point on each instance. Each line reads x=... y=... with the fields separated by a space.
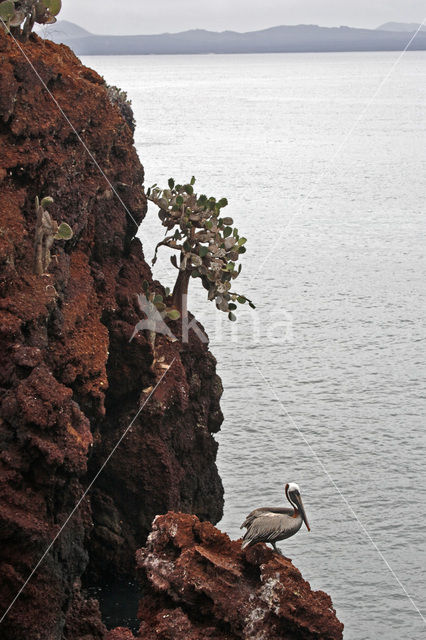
x=202 y=585
x=120 y=633
x=70 y=380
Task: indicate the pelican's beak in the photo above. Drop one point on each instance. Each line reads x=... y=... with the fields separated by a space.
x=301 y=508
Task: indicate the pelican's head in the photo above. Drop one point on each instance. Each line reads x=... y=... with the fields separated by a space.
x=292 y=493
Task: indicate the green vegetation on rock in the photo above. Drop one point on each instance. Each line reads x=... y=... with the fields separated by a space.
x=18 y=16
x=46 y=232
x=208 y=245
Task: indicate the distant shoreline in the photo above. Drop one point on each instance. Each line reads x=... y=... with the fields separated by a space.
x=247 y=53
x=281 y=39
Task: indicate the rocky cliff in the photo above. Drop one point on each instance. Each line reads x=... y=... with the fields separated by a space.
x=71 y=383
x=70 y=380
x=199 y=584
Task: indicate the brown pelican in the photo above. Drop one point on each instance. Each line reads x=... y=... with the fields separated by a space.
x=271 y=524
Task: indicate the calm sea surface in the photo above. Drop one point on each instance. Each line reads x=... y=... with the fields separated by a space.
x=325 y=380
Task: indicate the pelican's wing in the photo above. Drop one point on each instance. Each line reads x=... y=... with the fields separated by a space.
x=268 y=526
x=261 y=511
x=253 y=515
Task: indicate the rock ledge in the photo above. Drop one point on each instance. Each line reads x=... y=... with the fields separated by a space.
x=200 y=584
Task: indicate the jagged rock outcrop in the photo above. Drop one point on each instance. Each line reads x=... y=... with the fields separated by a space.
x=199 y=584
x=70 y=381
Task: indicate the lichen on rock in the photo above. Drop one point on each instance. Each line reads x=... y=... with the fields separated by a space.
x=200 y=584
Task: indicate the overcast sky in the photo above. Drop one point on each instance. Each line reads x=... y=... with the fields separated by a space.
x=158 y=16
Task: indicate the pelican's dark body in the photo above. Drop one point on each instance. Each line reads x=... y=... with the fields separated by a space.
x=272 y=524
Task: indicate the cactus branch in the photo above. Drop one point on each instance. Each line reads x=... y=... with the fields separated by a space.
x=14 y=13
x=46 y=232
x=208 y=243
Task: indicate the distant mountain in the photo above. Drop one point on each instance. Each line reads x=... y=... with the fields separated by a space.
x=298 y=38
x=62 y=29
x=411 y=27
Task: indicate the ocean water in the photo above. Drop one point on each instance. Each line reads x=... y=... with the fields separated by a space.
x=325 y=380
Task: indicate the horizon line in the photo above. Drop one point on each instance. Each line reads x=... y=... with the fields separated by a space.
x=277 y=26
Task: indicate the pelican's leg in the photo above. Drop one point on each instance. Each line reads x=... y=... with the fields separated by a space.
x=276 y=549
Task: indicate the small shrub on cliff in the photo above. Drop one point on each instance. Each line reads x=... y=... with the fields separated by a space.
x=119 y=98
x=157 y=301
x=157 y=312
x=207 y=243
x=47 y=231
x=19 y=16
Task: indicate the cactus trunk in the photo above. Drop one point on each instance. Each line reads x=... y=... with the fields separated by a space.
x=180 y=292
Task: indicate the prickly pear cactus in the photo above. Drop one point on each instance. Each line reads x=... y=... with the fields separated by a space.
x=208 y=244
x=7 y=9
x=47 y=10
x=46 y=232
x=7 y=13
x=154 y=306
x=53 y=6
x=17 y=13
x=64 y=232
x=158 y=302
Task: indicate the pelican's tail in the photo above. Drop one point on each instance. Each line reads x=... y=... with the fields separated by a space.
x=247 y=540
x=249 y=520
